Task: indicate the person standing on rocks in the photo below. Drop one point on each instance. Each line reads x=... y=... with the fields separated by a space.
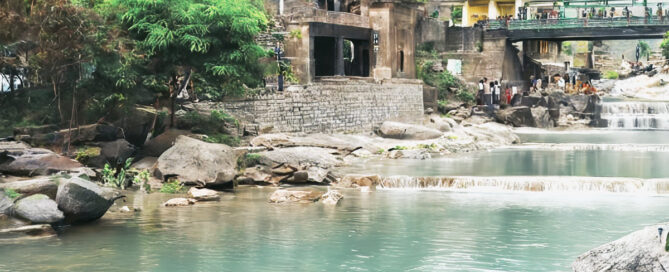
x=479 y=95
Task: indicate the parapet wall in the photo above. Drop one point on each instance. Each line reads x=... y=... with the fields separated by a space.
x=338 y=105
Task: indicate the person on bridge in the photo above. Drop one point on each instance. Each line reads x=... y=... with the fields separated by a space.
x=626 y=12
x=659 y=12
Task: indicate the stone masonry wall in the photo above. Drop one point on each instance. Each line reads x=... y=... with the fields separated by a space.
x=337 y=106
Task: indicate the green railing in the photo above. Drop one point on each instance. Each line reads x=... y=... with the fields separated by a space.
x=573 y=23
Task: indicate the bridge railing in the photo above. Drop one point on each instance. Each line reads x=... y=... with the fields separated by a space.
x=572 y=23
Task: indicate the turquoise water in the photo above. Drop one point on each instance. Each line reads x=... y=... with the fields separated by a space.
x=379 y=231
x=596 y=136
x=526 y=162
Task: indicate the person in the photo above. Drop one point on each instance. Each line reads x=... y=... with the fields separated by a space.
x=479 y=95
x=508 y=95
x=612 y=12
x=498 y=89
x=561 y=83
x=493 y=90
x=626 y=11
x=488 y=92
x=538 y=85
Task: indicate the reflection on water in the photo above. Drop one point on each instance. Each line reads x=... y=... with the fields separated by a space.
x=380 y=231
x=595 y=136
x=526 y=162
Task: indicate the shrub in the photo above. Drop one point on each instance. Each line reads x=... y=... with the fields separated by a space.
x=611 y=75
x=223 y=139
x=110 y=177
x=86 y=153
x=172 y=187
x=142 y=179
x=465 y=96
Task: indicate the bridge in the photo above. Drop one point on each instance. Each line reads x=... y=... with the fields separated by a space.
x=581 y=29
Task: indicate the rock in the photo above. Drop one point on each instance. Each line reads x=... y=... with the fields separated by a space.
x=112 y=152
x=137 y=124
x=36 y=231
x=179 y=201
x=258 y=173
x=37 y=164
x=203 y=194
x=299 y=177
x=315 y=156
x=46 y=186
x=156 y=146
x=531 y=101
x=312 y=140
x=6 y=203
x=145 y=163
x=281 y=196
x=38 y=209
x=640 y=251
x=283 y=170
x=542 y=118
x=332 y=197
x=316 y=174
x=84 y=201
x=417 y=154
x=19 y=148
x=213 y=165
x=520 y=116
x=357 y=180
x=442 y=124
x=124 y=209
x=407 y=131
x=79 y=135
x=33 y=130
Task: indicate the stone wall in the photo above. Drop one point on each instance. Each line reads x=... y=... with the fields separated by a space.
x=337 y=105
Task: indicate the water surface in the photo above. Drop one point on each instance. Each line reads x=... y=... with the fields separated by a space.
x=379 y=231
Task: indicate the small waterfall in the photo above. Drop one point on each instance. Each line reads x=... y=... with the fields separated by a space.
x=529 y=184
x=636 y=115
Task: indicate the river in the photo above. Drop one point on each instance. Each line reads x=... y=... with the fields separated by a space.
x=596 y=186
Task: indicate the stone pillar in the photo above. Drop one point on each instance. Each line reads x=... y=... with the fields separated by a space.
x=339 y=61
x=280 y=7
x=519 y=3
x=465 y=14
x=337 y=5
x=492 y=10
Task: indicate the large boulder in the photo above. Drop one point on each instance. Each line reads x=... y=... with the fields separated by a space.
x=84 y=201
x=146 y=163
x=39 y=209
x=137 y=124
x=196 y=162
x=296 y=196
x=416 y=154
x=79 y=135
x=520 y=116
x=542 y=117
x=112 y=152
x=311 y=140
x=37 y=164
x=442 y=124
x=6 y=203
x=407 y=131
x=641 y=251
x=297 y=156
x=161 y=143
x=179 y=201
x=46 y=186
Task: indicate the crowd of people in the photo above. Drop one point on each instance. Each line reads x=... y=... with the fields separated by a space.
x=490 y=93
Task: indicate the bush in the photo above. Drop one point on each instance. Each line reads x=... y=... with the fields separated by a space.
x=172 y=187
x=611 y=75
x=223 y=139
x=110 y=177
x=11 y=193
x=142 y=179
x=466 y=96
x=86 y=153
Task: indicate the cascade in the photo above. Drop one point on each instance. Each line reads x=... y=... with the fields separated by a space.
x=636 y=115
x=529 y=184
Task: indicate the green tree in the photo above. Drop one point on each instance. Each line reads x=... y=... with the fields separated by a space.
x=665 y=46
x=211 y=41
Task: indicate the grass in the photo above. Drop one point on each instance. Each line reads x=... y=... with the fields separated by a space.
x=611 y=75
x=172 y=187
x=11 y=193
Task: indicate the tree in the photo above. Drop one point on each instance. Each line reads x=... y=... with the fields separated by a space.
x=665 y=46
x=208 y=40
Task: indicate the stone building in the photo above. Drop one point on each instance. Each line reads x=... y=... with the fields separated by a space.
x=354 y=38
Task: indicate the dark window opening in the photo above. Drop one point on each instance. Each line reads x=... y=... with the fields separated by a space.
x=325 y=54
x=330 y=5
x=401 y=61
x=356 y=58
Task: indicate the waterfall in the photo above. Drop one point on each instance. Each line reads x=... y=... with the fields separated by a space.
x=529 y=184
x=636 y=115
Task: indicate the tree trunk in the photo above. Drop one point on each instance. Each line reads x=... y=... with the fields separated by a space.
x=57 y=97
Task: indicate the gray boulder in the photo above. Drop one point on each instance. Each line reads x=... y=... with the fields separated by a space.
x=198 y=162
x=295 y=196
x=46 y=186
x=38 y=209
x=332 y=197
x=520 y=116
x=203 y=194
x=297 y=156
x=112 y=152
x=407 y=131
x=145 y=163
x=311 y=140
x=37 y=164
x=358 y=180
x=84 y=201
x=82 y=134
x=416 y=154
x=161 y=143
x=6 y=203
x=542 y=117
x=641 y=251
